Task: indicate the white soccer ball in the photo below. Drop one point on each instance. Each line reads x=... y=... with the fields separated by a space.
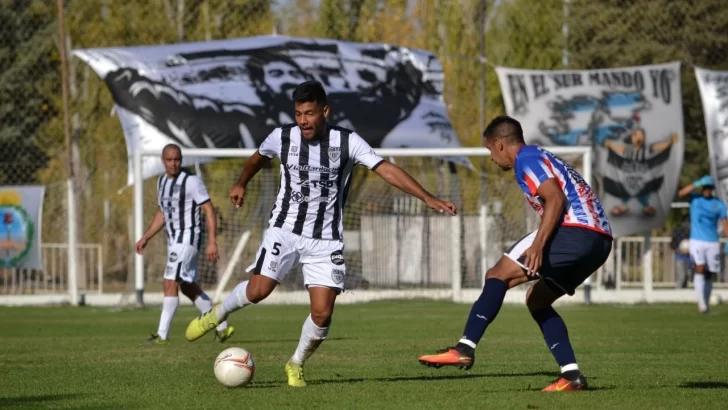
x=234 y=367
x=684 y=246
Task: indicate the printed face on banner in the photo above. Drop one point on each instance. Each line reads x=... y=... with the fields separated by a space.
x=632 y=116
x=714 y=95
x=232 y=93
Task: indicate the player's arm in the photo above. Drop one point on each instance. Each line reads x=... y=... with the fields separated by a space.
x=268 y=150
x=687 y=189
x=156 y=226
x=553 y=208
x=536 y=177
x=399 y=178
x=362 y=153
x=211 y=224
x=199 y=194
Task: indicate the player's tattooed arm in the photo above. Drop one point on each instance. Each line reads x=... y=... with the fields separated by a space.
x=156 y=226
x=399 y=178
x=553 y=209
x=251 y=168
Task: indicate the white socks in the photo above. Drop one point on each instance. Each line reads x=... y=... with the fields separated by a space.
x=169 y=306
x=204 y=304
x=237 y=299
x=311 y=337
x=700 y=291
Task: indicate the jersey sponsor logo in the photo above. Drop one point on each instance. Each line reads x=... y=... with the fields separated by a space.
x=317 y=184
x=334 y=153
x=173 y=257
x=337 y=258
x=309 y=168
x=298 y=197
x=337 y=275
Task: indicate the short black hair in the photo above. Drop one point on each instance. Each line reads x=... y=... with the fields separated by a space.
x=172 y=146
x=504 y=127
x=310 y=91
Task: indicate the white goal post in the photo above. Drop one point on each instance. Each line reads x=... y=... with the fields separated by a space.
x=439 y=235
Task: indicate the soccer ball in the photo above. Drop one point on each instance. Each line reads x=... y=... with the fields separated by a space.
x=684 y=246
x=234 y=367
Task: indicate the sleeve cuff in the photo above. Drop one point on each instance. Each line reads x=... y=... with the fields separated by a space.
x=204 y=202
x=377 y=165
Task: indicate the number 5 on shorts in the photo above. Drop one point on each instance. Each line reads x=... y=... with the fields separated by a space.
x=276 y=249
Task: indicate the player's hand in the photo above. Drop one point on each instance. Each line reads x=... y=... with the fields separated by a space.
x=211 y=252
x=675 y=138
x=441 y=206
x=140 y=245
x=533 y=257
x=237 y=195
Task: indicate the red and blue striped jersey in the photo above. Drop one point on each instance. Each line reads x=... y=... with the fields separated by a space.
x=535 y=165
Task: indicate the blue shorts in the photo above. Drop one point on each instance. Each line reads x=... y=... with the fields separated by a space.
x=569 y=257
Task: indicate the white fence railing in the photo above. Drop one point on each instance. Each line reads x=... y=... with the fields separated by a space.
x=53 y=278
x=630 y=261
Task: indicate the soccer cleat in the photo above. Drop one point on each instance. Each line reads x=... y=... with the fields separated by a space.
x=225 y=334
x=449 y=356
x=564 y=384
x=154 y=339
x=202 y=324
x=294 y=372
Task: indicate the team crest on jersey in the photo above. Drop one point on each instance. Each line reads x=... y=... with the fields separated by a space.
x=337 y=275
x=334 y=153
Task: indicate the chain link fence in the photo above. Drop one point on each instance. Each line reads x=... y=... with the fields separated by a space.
x=468 y=36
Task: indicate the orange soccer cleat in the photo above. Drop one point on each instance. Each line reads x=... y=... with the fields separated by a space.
x=449 y=357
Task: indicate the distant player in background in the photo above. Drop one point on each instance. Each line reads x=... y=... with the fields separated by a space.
x=680 y=244
x=307 y=220
x=706 y=211
x=573 y=240
x=181 y=196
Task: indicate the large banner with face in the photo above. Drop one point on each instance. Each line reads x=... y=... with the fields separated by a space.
x=714 y=95
x=632 y=116
x=232 y=93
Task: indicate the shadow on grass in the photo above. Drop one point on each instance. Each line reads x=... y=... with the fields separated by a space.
x=25 y=401
x=704 y=385
x=271 y=384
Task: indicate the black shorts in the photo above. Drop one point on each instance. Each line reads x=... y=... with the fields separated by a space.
x=569 y=257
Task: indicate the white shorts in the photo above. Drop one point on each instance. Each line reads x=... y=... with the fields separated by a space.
x=181 y=263
x=706 y=253
x=323 y=260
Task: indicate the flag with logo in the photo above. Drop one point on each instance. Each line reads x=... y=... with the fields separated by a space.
x=21 y=208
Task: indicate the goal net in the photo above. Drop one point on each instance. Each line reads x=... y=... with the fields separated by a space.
x=392 y=240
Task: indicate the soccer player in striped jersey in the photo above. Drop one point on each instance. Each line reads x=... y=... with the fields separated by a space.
x=306 y=224
x=572 y=241
x=181 y=196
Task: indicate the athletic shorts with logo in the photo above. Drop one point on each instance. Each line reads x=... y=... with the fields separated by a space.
x=706 y=253
x=181 y=263
x=322 y=260
x=569 y=257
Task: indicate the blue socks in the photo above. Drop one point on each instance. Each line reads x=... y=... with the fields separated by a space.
x=484 y=311
x=557 y=337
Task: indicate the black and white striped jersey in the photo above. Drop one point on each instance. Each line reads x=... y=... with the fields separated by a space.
x=179 y=199
x=315 y=178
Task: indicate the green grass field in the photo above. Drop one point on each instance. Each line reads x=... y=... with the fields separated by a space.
x=636 y=357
